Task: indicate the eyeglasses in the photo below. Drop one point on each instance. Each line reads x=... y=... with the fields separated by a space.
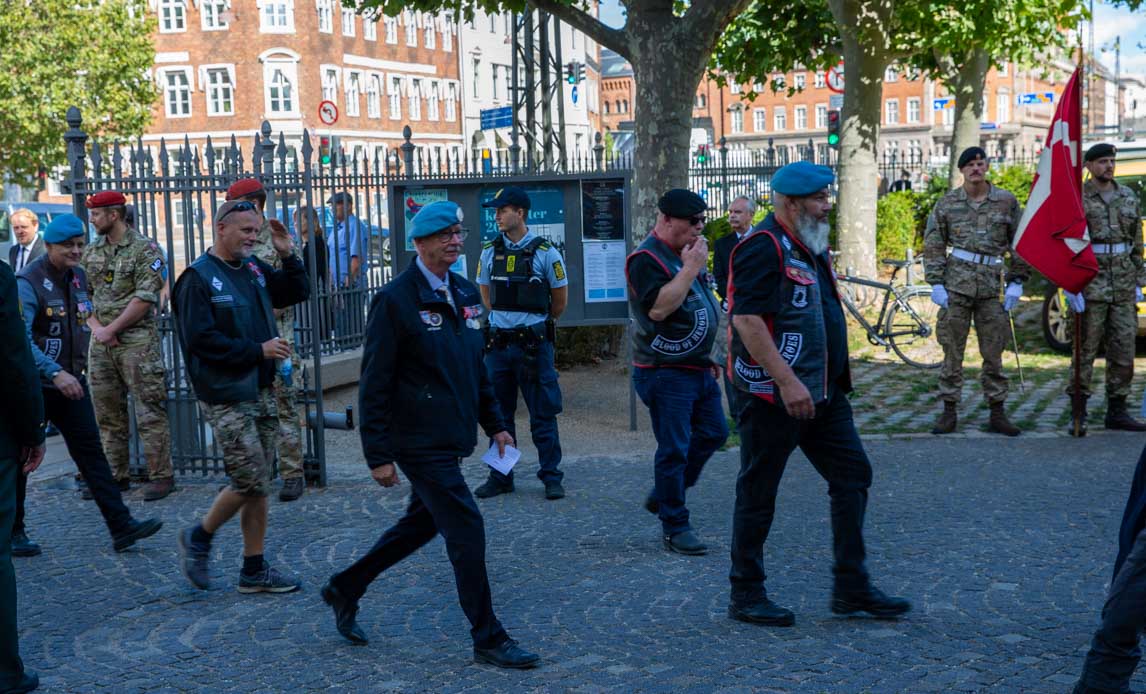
x=446 y=235
x=240 y=206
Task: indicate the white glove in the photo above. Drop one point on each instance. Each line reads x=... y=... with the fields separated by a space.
x=1137 y=294
x=939 y=295
x=1012 y=295
x=1075 y=301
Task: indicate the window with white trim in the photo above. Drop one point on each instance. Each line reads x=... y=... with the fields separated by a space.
x=737 y=120
x=821 y=115
x=447 y=35
x=220 y=88
x=800 y=80
x=891 y=74
x=369 y=29
x=276 y=16
x=347 y=22
x=495 y=91
x=891 y=112
x=779 y=82
x=476 y=83
x=353 y=94
x=325 y=9
x=172 y=16
x=734 y=88
x=452 y=102
x=330 y=84
x=177 y=92
x=415 y=97
x=391 y=25
x=779 y=119
x=432 y=105
x=411 y=21
x=212 y=15
x=280 y=75
x=801 y=113
x=759 y=120
x=1002 y=107
x=431 y=34
x=374 y=96
x=818 y=80
x=913 y=109
x=395 y=94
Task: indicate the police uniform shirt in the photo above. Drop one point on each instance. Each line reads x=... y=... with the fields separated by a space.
x=757 y=293
x=546 y=263
x=345 y=243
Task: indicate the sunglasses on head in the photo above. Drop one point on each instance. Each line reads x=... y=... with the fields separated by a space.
x=241 y=206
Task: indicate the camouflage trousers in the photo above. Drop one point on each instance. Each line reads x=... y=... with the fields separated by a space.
x=992 y=327
x=289 y=435
x=1117 y=322
x=246 y=433
x=135 y=368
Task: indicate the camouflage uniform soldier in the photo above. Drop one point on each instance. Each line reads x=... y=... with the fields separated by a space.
x=289 y=437
x=125 y=277
x=977 y=222
x=1107 y=304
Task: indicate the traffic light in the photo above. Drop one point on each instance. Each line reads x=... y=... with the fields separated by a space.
x=580 y=72
x=571 y=72
x=701 y=154
x=834 y=129
x=324 y=150
x=336 y=150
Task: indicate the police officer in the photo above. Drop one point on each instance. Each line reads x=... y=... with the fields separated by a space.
x=675 y=314
x=789 y=359
x=422 y=392
x=522 y=280
x=224 y=311
x=125 y=274
x=1109 y=303
x=56 y=308
x=289 y=439
x=977 y=221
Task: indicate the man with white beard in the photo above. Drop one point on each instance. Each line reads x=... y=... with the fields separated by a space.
x=789 y=360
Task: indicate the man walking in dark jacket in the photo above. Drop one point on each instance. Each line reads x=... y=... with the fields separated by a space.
x=423 y=388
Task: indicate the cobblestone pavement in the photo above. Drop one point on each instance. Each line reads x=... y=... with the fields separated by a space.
x=1004 y=546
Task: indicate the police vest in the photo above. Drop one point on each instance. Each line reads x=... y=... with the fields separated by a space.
x=514 y=282
x=235 y=316
x=686 y=336
x=60 y=327
x=798 y=328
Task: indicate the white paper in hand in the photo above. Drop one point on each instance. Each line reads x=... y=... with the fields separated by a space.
x=502 y=464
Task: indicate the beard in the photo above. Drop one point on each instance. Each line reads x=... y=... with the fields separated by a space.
x=813 y=232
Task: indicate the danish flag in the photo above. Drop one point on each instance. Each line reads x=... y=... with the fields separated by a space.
x=1052 y=234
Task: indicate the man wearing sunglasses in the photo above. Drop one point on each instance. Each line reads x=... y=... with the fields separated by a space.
x=676 y=314
x=788 y=357
x=522 y=279
x=423 y=390
x=224 y=313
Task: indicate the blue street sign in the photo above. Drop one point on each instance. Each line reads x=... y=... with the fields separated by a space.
x=943 y=103
x=988 y=126
x=1035 y=98
x=573 y=93
x=492 y=118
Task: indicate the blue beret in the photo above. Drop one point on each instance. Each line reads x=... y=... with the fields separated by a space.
x=509 y=195
x=435 y=217
x=63 y=227
x=801 y=179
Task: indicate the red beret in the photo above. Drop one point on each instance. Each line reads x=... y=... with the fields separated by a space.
x=105 y=198
x=244 y=187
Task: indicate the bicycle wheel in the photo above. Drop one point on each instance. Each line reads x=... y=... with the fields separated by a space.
x=910 y=329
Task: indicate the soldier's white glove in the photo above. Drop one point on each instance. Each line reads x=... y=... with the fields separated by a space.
x=939 y=295
x=1012 y=295
x=1075 y=301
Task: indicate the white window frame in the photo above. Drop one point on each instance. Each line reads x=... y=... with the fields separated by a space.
x=172 y=16
x=914 y=110
x=818 y=80
x=414 y=98
x=430 y=40
x=347 y=20
x=821 y=116
x=328 y=79
x=373 y=95
x=391 y=26
x=737 y=120
x=891 y=112
x=188 y=74
x=452 y=102
x=493 y=90
x=734 y=88
x=218 y=22
x=410 y=19
x=475 y=92
x=352 y=82
x=890 y=75
x=433 y=108
x=284 y=61
x=779 y=119
x=800 y=80
x=1002 y=107
x=209 y=87
x=394 y=92
x=288 y=11
x=779 y=82
x=369 y=28
x=800 y=118
x=759 y=120
x=447 y=35
x=325 y=11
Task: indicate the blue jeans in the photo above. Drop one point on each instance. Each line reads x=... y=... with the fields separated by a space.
x=510 y=371
x=689 y=425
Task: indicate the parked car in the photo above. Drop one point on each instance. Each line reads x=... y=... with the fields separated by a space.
x=45 y=211
x=1130 y=171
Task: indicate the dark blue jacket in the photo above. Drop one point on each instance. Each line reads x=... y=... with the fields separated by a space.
x=424 y=387
x=1134 y=518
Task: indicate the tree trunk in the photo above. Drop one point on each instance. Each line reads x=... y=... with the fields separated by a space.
x=863 y=27
x=967 y=84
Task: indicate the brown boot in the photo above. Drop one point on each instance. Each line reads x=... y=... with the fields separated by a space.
x=948 y=420
x=999 y=424
x=1117 y=416
x=157 y=489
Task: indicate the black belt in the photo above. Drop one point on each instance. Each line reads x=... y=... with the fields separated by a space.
x=530 y=336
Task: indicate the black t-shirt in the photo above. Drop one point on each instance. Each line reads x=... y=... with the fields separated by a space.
x=647 y=276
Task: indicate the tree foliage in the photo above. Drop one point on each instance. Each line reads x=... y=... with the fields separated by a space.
x=58 y=53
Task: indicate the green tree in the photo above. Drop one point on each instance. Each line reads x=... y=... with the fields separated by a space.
x=668 y=43
x=58 y=53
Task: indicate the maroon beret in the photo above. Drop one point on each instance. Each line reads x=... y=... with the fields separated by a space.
x=244 y=187
x=105 y=198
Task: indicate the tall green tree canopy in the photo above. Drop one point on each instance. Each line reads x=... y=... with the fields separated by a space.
x=59 y=53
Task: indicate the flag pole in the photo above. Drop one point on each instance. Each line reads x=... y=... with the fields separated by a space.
x=1076 y=407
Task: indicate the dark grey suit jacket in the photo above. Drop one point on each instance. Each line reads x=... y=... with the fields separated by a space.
x=38 y=249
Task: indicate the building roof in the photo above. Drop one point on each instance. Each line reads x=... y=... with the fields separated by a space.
x=613 y=65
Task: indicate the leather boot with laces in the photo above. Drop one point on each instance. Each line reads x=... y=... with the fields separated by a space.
x=948 y=420
x=999 y=424
x=1118 y=417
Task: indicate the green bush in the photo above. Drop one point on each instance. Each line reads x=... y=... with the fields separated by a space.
x=1015 y=178
x=895 y=225
x=719 y=227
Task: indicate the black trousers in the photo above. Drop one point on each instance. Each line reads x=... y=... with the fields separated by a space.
x=768 y=435
x=440 y=502
x=77 y=424
x=11 y=669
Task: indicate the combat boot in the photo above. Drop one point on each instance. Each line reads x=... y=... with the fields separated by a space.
x=1117 y=417
x=999 y=424
x=948 y=420
x=1082 y=416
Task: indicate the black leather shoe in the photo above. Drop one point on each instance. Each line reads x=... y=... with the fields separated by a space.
x=651 y=504
x=507 y=655
x=124 y=484
x=136 y=531
x=871 y=600
x=492 y=488
x=345 y=611
x=29 y=681
x=685 y=543
x=554 y=490
x=764 y=612
x=23 y=547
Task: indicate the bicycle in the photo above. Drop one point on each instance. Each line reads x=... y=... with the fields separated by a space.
x=907 y=317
